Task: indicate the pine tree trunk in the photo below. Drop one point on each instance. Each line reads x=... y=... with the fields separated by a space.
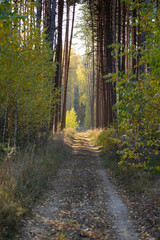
x=119 y=33
x=39 y=13
x=52 y=26
x=93 y=69
x=114 y=98
x=127 y=39
x=134 y=14
x=63 y=123
x=98 y=85
x=65 y=68
x=98 y=81
x=58 y=55
x=5 y=119
x=108 y=41
x=123 y=31
x=16 y=120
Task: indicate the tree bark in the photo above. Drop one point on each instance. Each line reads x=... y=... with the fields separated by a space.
x=58 y=55
x=119 y=33
x=5 y=119
x=134 y=15
x=93 y=69
x=108 y=41
x=16 y=120
x=123 y=32
x=52 y=26
x=39 y=13
x=127 y=39
x=63 y=123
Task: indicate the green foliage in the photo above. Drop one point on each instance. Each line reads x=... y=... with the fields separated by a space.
x=151 y=49
x=138 y=99
x=103 y=138
x=106 y=139
x=71 y=119
x=138 y=119
x=26 y=73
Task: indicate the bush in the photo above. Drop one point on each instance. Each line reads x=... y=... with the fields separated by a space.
x=106 y=139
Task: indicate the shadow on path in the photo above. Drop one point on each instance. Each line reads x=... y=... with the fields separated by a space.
x=82 y=202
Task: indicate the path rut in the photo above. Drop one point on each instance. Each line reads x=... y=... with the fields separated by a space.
x=82 y=203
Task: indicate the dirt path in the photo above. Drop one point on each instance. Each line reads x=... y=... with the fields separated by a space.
x=82 y=204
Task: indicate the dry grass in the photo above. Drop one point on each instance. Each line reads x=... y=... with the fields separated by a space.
x=24 y=179
x=93 y=135
x=69 y=134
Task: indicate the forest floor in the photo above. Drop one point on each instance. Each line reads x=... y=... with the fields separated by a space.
x=82 y=202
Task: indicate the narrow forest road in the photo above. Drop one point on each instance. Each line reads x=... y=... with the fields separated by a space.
x=82 y=204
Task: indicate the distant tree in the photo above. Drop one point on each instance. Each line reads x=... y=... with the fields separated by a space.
x=76 y=100
x=71 y=119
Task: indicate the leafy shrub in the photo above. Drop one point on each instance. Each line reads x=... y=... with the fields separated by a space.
x=106 y=139
x=138 y=98
x=139 y=121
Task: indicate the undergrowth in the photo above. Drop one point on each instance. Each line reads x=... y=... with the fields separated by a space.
x=4 y=149
x=23 y=180
x=137 y=180
x=93 y=135
x=106 y=139
x=69 y=134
